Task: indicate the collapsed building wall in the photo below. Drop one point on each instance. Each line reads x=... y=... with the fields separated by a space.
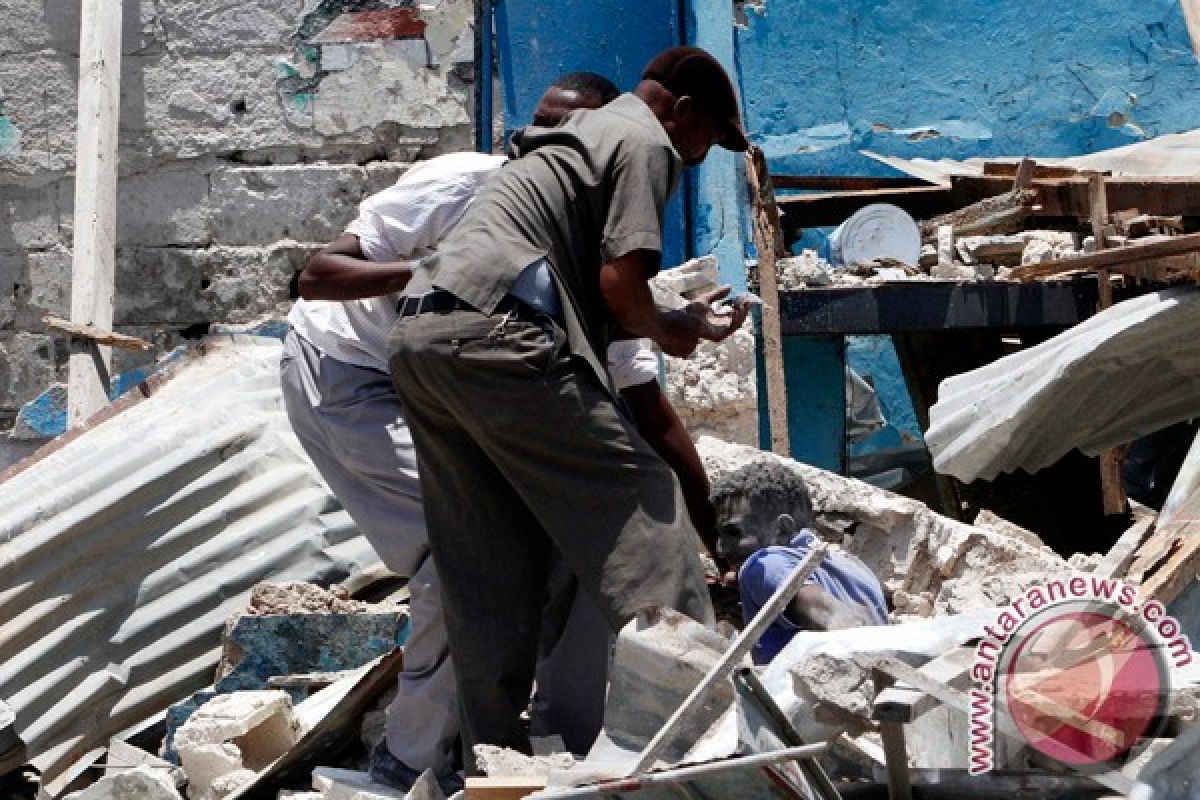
x=249 y=132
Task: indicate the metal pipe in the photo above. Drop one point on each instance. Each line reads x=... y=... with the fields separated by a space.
x=751 y=689
x=483 y=76
x=684 y=774
x=732 y=657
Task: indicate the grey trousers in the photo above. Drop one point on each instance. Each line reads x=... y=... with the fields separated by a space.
x=522 y=451
x=353 y=428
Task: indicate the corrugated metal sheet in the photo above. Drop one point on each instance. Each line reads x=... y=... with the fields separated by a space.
x=1126 y=372
x=124 y=549
x=1175 y=154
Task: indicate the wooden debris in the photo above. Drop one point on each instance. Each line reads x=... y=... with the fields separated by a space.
x=503 y=787
x=1004 y=213
x=768 y=241
x=1120 y=558
x=1144 y=258
x=94 y=334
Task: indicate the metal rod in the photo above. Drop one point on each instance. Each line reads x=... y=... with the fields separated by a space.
x=685 y=773
x=732 y=657
x=752 y=690
x=485 y=76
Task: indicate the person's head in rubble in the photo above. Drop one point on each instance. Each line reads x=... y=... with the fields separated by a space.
x=758 y=506
x=692 y=96
x=765 y=529
x=573 y=92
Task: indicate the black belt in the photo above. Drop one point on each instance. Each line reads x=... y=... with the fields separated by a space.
x=439 y=301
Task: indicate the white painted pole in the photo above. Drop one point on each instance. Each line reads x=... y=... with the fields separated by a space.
x=92 y=270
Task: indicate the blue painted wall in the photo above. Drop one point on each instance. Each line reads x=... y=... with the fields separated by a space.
x=537 y=43
x=823 y=79
x=958 y=78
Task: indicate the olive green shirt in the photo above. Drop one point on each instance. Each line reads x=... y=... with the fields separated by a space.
x=579 y=195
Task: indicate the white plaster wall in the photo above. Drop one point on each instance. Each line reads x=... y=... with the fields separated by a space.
x=243 y=147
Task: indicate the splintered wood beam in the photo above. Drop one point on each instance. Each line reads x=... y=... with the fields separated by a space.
x=832 y=208
x=1068 y=196
x=1004 y=213
x=93 y=262
x=93 y=334
x=843 y=182
x=1112 y=488
x=1116 y=259
x=768 y=241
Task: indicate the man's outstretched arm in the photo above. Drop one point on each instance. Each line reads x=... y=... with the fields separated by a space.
x=340 y=271
x=662 y=429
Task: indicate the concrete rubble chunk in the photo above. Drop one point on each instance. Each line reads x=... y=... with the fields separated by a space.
x=232 y=737
x=493 y=760
x=345 y=784
x=806 y=269
x=1126 y=372
x=690 y=277
x=659 y=657
x=142 y=783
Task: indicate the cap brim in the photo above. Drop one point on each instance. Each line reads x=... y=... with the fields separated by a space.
x=735 y=137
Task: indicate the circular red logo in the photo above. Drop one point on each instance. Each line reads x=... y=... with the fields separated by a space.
x=1082 y=686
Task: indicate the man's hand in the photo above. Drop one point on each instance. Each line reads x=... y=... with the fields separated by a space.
x=627 y=295
x=721 y=324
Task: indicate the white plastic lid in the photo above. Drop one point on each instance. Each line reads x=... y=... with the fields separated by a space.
x=877 y=231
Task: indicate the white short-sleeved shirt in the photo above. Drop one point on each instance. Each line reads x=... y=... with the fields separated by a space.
x=405 y=222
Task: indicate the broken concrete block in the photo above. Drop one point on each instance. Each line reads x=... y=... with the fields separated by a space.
x=233 y=736
x=345 y=784
x=714 y=391
x=288 y=794
x=806 y=269
x=954 y=272
x=142 y=783
x=502 y=761
x=302 y=628
x=659 y=658
x=839 y=690
x=689 y=278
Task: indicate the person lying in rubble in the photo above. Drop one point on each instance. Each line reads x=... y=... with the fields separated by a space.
x=341 y=403
x=764 y=529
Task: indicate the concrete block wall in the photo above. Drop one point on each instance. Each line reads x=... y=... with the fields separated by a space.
x=248 y=138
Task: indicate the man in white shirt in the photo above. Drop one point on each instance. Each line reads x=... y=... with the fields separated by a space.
x=341 y=402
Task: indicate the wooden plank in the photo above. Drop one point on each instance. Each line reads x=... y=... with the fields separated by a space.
x=842 y=183
x=1010 y=169
x=768 y=241
x=504 y=787
x=901 y=704
x=1180 y=569
x=93 y=264
x=894 y=750
x=1003 y=213
x=1068 y=197
x=94 y=334
x=1117 y=257
x=1024 y=175
x=1120 y=557
x=817 y=210
x=1112 y=487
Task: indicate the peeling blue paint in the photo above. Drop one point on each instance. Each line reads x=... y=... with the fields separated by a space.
x=823 y=79
x=10 y=138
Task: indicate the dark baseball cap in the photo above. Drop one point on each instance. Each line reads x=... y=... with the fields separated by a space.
x=693 y=72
